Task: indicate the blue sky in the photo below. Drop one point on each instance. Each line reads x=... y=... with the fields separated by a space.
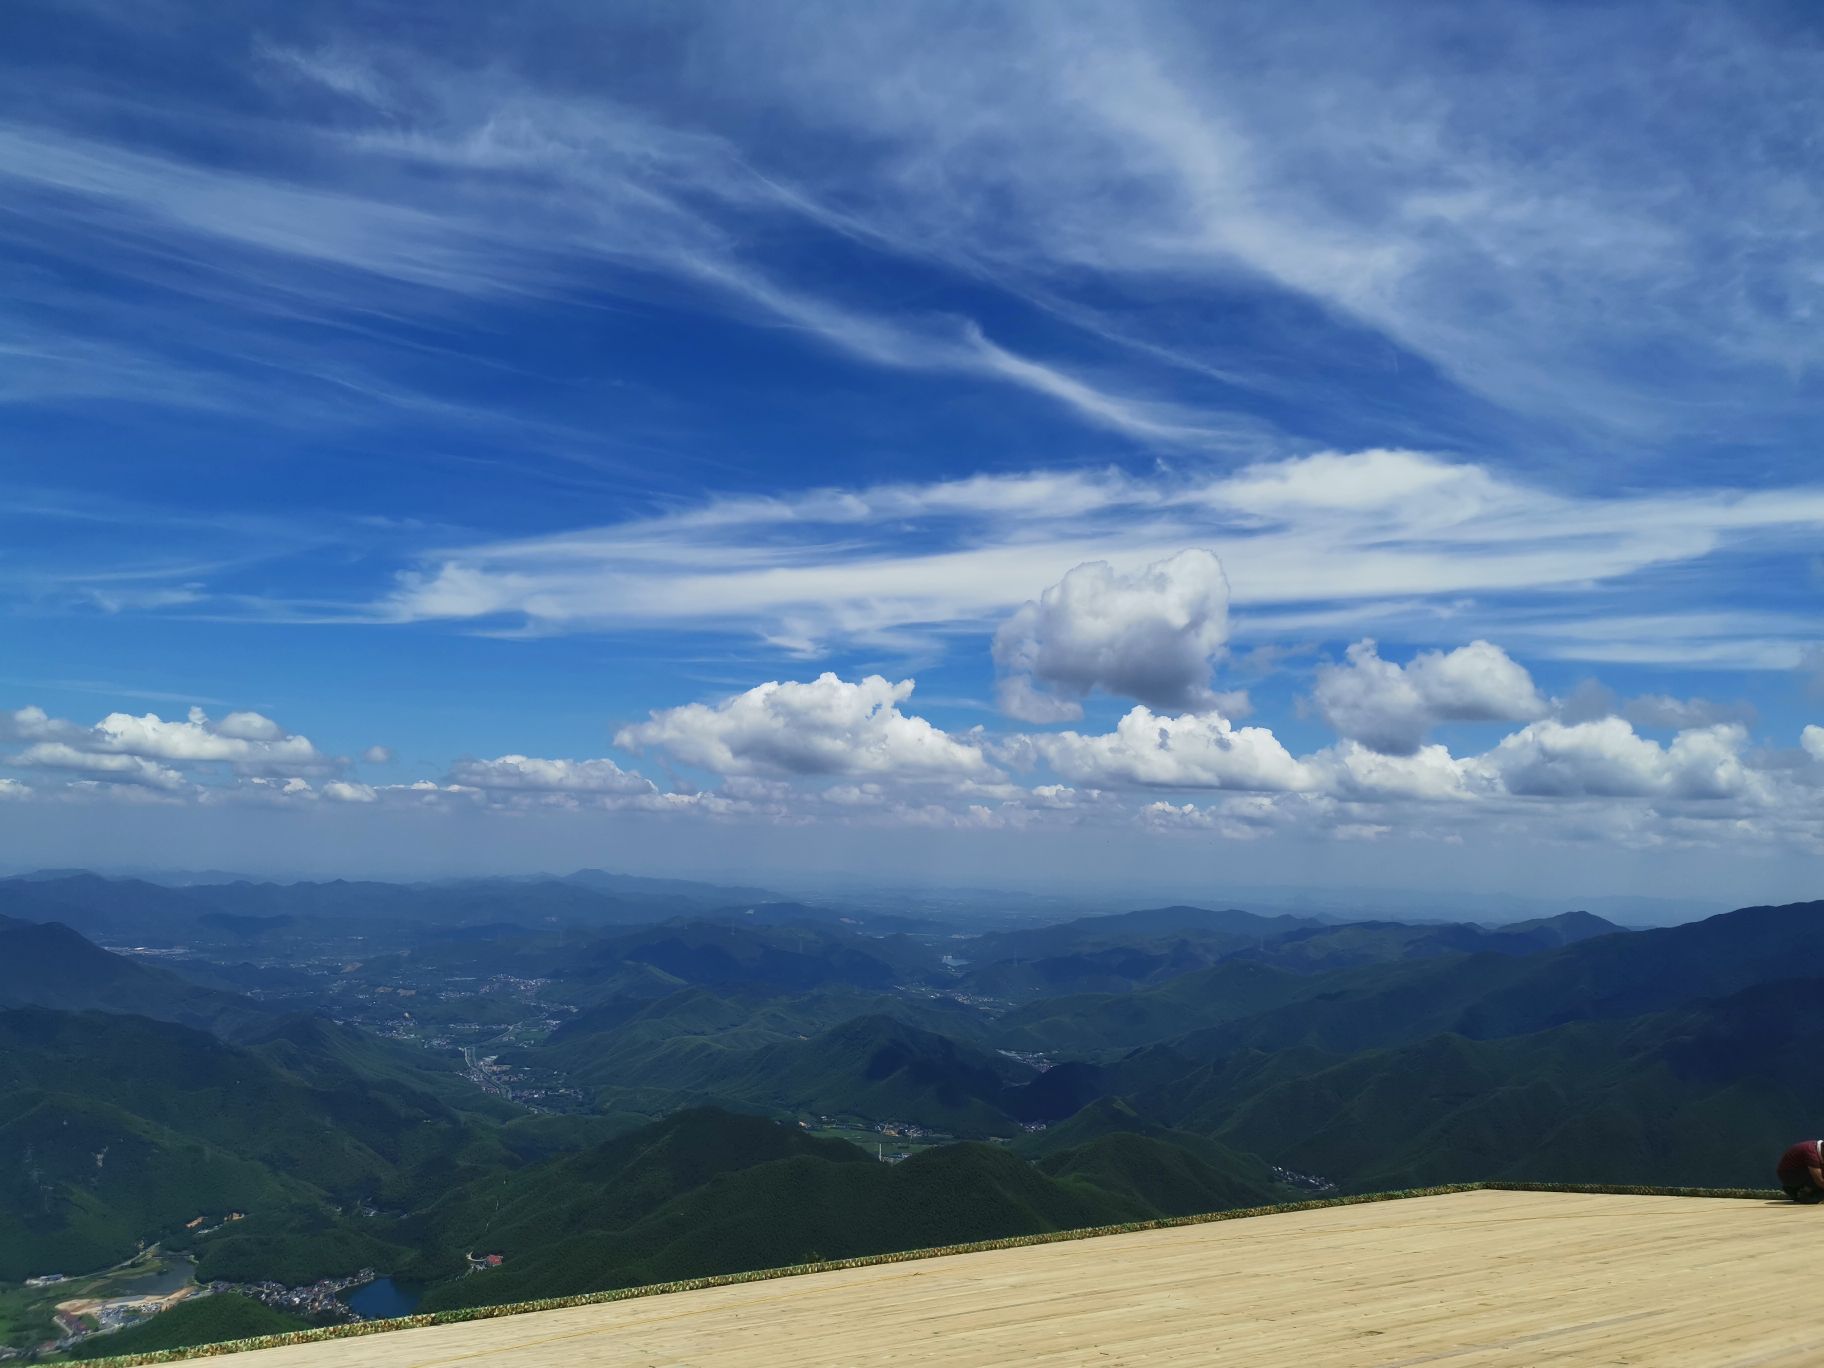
x=1068 y=442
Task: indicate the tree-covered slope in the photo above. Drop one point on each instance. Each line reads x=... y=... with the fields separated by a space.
x=745 y=1200
x=1099 y=1024
x=1166 y=1178
x=116 y=1129
x=50 y=965
x=1707 y=1094
x=878 y=1068
x=1488 y=996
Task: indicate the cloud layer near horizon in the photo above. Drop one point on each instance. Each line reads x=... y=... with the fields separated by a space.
x=850 y=751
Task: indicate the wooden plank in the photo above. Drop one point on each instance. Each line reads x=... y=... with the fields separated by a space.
x=1472 y=1279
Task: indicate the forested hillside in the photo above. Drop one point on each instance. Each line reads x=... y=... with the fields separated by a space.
x=605 y=1096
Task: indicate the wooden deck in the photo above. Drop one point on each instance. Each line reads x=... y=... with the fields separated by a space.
x=1472 y=1278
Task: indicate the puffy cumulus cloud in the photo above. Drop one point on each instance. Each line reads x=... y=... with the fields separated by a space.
x=113 y=768
x=1812 y=739
x=259 y=790
x=1192 y=750
x=377 y=755
x=34 y=724
x=1062 y=797
x=525 y=774
x=1255 y=816
x=110 y=791
x=245 y=741
x=341 y=791
x=1351 y=770
x=1608 y=759
x=242 y=726
x=1232 y=824
x=828 y=726
x=12 y=788
x=1149 y=636
x=1391 y=708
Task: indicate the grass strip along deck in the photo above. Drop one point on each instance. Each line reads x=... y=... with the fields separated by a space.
x=900 y=1256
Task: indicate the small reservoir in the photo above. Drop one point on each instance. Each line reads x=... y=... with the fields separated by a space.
x=383 y=1299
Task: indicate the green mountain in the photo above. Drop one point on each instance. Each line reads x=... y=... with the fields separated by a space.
x=1143 y=949
x=1488 y=996
x=1111 y=1144
x=1102 y=1024
x=1372 y=1054
x=1567 y=928
x=1707 y=1094
x=117 y=1129
x=693 y=1041
x=1167 y=1179
x=610 y=1185
x=50 y=965
x=243 y=910
x=789 y=958
x=874 y=1067
x=1230 y=927
x=818 y=1200
x=1320 y=949
x=94 y=905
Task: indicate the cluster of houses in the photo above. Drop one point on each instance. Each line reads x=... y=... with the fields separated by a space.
x=200 y=1223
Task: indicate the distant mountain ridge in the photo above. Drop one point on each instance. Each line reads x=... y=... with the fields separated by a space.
x=47 y=964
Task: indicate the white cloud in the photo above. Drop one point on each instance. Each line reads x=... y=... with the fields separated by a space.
x=828 y=726
x=1607 y=759
x=1391 y=708
x=148 y=751
x=1195 y=750
x=34 y=724
x=1353 y=770
x=1812 y=739
x=377 y=755
x=1172 y=149
x=506 y=191
x=242 y=726
x=122 y=769
x=1019 y=699
x=342 y=791
x=1325 y=539
x=1409 y=486
x=524 y=774
x=259 y=789
x=1150 y=636
x=247 y=741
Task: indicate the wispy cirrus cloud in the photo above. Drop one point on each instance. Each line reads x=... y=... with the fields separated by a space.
x=1387 y=174
x=1378 y=531
x=496 y=192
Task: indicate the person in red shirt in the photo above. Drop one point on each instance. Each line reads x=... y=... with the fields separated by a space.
x=1801 y=1171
